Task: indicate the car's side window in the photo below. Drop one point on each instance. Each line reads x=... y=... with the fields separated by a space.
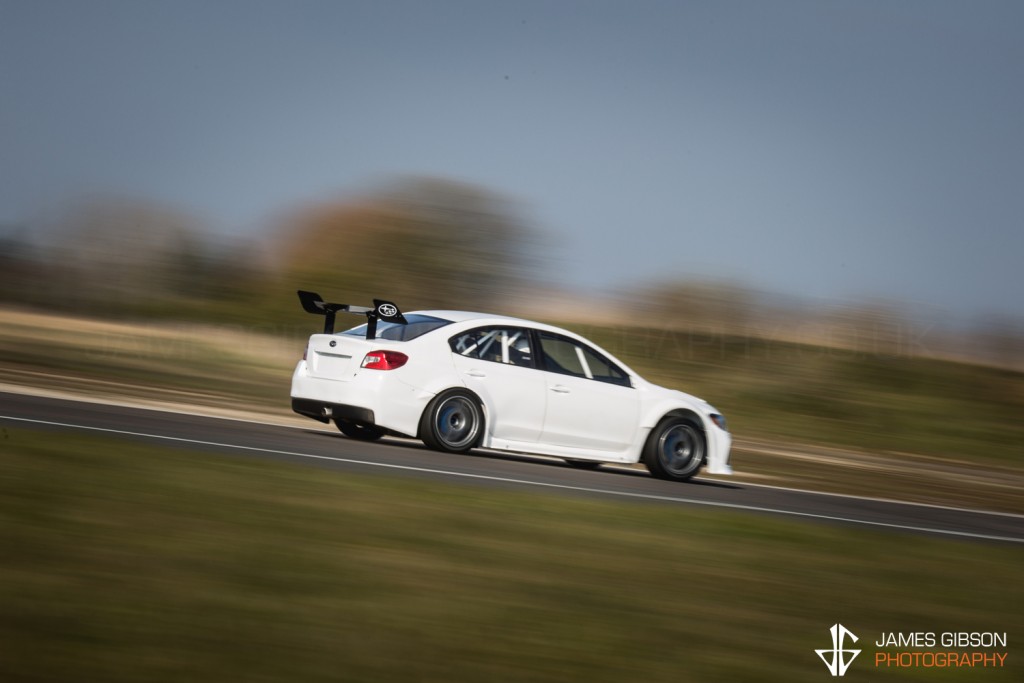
x=568 y=357
x=509 y=345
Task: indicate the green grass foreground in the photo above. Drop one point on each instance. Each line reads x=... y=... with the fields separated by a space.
x=123 y=561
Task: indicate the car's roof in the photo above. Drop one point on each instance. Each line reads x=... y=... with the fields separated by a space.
x=463 y=316
x=460 y=317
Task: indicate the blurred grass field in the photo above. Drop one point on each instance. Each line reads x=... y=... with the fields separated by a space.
x=125 y=562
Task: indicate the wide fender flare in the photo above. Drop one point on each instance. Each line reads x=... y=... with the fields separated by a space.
x=654 y=414
x=718 y=442
x=454 y=381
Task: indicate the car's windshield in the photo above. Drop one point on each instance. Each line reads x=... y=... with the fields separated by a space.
x=417 y=326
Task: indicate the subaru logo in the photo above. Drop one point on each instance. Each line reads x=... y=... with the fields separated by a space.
x=387 y=310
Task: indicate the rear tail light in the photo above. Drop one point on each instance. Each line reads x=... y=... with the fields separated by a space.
x=384 y=360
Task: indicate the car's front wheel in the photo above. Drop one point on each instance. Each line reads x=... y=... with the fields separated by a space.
x=359 y=432
x=675 y=449
x=452 y=422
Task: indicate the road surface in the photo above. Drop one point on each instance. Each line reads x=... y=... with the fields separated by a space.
x=322 y=446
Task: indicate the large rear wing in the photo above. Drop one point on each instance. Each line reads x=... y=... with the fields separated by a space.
x=382 y=310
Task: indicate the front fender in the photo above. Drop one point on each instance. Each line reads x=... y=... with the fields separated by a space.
x=719 y=441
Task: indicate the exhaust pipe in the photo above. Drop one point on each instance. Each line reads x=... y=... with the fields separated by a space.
x=326 y=411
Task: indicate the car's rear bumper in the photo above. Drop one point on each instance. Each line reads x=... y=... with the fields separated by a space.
x=325 y=411
x=368 y=397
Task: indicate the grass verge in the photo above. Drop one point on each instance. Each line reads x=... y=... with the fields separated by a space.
x=128 y=562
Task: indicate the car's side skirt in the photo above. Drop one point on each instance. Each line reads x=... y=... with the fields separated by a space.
x=631 y=455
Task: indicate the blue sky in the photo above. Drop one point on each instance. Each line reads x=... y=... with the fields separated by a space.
x=831 y=150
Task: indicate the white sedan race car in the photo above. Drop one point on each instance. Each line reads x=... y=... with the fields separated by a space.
x=459 y=380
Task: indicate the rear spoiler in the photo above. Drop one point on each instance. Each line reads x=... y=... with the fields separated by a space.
x=382 y=310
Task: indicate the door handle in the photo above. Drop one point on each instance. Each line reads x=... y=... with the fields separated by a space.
x=476 y=373
x=559 y=389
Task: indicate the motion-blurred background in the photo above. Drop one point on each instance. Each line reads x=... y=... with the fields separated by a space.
x=722 y=162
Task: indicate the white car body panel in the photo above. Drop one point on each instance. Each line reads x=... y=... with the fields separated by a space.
x=588 y=415
x=526 y=409
x=508 y=391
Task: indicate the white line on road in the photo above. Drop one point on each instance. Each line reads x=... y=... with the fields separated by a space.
x=306 y=425
x=526 y=482
x=873 y=499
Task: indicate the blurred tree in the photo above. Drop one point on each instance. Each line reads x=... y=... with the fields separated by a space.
x=139 y=259
x=422 y=243
x=21 y=267
x=121 y=257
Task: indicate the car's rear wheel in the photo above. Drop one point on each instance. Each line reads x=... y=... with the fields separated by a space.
x=357 y=431
x=452 y=422
x=675 y=449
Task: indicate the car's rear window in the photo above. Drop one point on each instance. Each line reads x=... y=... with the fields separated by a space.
x=418 y=325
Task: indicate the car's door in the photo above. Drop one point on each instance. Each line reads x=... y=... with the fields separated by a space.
x=498 y=364
x=591 y=402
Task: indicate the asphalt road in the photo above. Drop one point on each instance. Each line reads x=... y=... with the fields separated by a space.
x=322 y=446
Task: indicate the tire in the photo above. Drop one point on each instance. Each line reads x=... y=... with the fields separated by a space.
x=357 y=431
x=452 y=422
x=583 y=464
x=675 y=449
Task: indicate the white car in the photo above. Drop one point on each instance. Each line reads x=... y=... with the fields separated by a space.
x=460 y=380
